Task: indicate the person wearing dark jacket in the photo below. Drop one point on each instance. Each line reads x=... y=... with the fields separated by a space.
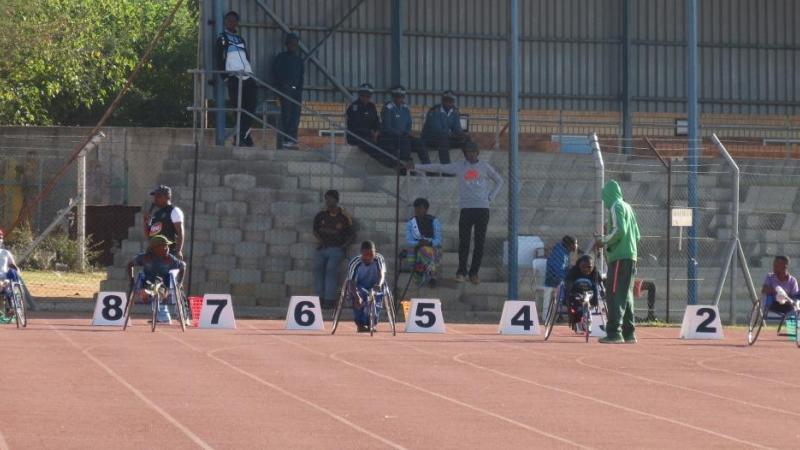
x=442 y=129
x=396 y=138
x=363 y=122
x=232 y=56
x=287 y=73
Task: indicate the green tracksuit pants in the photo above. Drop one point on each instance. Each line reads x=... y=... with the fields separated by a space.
x=619 y=286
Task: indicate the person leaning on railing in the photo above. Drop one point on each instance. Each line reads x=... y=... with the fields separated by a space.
x=232 y=56
x=287 y=73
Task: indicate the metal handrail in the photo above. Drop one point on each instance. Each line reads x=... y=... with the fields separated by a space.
x=290 y=99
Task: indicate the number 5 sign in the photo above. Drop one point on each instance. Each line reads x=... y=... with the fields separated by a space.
x=304 y=314
x=217 y=311
x=425 y=316
x=701 y=322
x=109 y=308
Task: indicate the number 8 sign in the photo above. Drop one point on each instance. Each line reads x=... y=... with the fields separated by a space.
x=217 y=311
x=109 y=308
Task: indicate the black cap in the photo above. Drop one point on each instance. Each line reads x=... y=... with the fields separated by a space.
x=399 y=91
x=365 y=88
x=449 y=94
x=232 y=13
x=162 y=190
x=291 y=37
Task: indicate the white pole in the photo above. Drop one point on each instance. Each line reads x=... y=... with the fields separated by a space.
x=81 y=205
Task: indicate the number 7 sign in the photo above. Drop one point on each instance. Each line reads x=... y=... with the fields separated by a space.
x=217 y=311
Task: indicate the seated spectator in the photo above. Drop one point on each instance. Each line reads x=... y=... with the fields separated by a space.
x=334 y=232
x=780 y=288
x=424 y=239
x=395 y=137
x=581 y=279
x=558 y=261
x=367 y=272
x=442 y=130
x=363 y=121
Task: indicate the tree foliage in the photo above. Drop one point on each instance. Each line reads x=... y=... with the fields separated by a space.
x=65 y=60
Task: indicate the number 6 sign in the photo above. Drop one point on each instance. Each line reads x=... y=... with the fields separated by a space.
x=304 y=314
x=217 y=311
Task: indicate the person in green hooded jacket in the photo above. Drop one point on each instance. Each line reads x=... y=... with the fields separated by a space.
x=621 y=253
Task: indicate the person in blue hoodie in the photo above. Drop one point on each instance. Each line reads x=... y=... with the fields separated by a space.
x=287 y=73
x=442 y=129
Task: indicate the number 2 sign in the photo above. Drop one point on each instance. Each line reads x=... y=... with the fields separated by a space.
x=217 y=311
x=701 y=322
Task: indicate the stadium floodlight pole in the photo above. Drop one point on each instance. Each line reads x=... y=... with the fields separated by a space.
x=219 y=88
x=513 y=153
x=694 y=146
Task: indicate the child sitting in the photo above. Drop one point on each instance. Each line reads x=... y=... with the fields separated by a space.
x=780 y=288
x=582 y=279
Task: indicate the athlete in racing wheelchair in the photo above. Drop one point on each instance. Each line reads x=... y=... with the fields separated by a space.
x=577 y=296
x=156 y=281
x=11 y=290
x=367 y=290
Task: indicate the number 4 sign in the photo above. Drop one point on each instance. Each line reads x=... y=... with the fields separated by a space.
x=701 y=322
x=425 y=316
x=109 y=308
x=304 y=314
x=217 y=311
x=519 y=317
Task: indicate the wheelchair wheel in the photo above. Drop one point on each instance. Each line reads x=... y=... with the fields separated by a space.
x=587 y=321
x=390 y=311
x=373 y=314
x=552 y=313
x=127 y=312
x=154 y=302
x=19 y=305
x=755 y=324
x=180 y=305
x=338 y=311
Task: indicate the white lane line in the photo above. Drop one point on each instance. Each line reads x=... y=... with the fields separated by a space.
x=195 y=438
x=3 y=443
x=704 y=364
x=211 y=354
x=334 y=356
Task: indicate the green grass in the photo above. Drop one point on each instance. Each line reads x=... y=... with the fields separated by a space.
x=52 y=284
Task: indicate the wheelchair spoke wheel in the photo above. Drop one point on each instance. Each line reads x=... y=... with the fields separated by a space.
x=587 y=321
x=390 y=312
x=755 y=324
x=338 y=311
x=154 y=302
x=373 y=315
x=550 y=320
x=127 y=312
x=180 y=301
x=19 y=306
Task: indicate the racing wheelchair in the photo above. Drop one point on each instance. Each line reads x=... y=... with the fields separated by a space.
x=350 y=292
x=560 y=305
x=13 y=292
x=157 y=292
x=760 y=313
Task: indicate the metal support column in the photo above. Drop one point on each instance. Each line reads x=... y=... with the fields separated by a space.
x=513 y=154
x=627 y=74
x=333 y=29
x=398 y=9
x=80 y=211
x=219 y=84
x=694 y=145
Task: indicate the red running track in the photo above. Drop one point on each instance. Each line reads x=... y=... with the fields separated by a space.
x=70 y=385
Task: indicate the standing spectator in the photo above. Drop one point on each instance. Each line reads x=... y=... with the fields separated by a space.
x=621 y=246
x=232 y=56
x=167 y=220
x=558 y=261
x=363 y=121
x=334 y=231
x=424 y=239
x=442 y=130
x=287 y=72
x=396 y=138
x=475 y=197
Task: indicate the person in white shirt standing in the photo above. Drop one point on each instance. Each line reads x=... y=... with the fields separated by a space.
x=476 y=194
x=232 y=56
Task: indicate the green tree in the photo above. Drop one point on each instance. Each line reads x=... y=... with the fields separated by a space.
x=65 y=60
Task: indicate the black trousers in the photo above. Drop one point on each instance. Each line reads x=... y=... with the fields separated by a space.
x=249 y=90
x=477 y=218
x=443 y=144
x=290 y=115
x=402 y=146
x=383 y=159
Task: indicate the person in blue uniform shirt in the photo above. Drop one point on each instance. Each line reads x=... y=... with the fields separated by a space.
x=442 y=129
x=287 y=73
x=365 y=125
x=396 y=138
